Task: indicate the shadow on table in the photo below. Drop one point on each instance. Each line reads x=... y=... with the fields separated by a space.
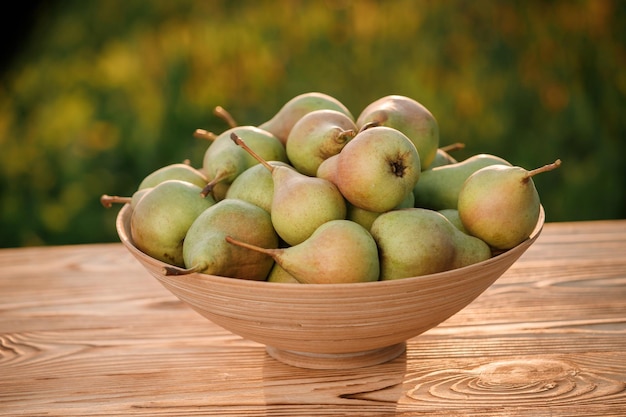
x=373 y=390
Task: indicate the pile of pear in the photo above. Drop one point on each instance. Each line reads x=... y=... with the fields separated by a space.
x=315 y=195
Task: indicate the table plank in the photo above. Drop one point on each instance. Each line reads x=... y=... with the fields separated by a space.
x=84 y=330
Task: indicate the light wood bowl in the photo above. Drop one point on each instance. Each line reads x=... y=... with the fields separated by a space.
x=330 y=326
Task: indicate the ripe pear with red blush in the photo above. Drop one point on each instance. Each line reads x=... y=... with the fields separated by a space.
x=317 y=136
x=408 y=116
x=377 y=169
x=500 y=204
x=300 y=204
x=339 y=251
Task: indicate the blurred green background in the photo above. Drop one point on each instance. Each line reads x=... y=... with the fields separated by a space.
x=101 y=93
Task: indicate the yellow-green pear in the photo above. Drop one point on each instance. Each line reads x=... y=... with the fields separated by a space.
x=205 y=249
x=283 y=121
x=438 y=188
x=408 y=116
x=500 y=204
x=255 y=185
x=278 y=274
x=365 y=218
x=377 y=169
x=178 y=171
x=223 y=160
x=300 y=203
x=443 y=156
x=317 y=136
x=108 y=200
x=455 y=219
x=415 y=241
x=339 y=251
x=161 y=218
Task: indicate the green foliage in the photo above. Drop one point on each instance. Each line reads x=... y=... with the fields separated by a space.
x=108 y=91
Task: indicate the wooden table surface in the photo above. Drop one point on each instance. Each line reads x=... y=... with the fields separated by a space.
x=84 y=330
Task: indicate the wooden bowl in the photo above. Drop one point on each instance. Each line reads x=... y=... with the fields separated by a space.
x=330 y=326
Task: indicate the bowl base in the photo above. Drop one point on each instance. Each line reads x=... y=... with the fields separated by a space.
x=337 y=360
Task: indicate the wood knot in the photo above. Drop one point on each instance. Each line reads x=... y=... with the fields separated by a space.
x=519 y=381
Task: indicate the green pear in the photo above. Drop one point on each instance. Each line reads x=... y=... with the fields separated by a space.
x=317 y=136
x=339 y=251
x=365 y=218
x=255 y=185
x=223 y=160
x=438 y=188
x=453 y=216
x=161 y=218
x=278 y=274
x=283 y=121
x=415 y=241
x=500 y=204
x=443 y=156
x=108 y=200
x=178 y=171
x=300 y=203
x=408 y=116
x=205 y=249
x=377 y=169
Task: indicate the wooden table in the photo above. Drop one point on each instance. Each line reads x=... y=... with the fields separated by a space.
x=84 y=330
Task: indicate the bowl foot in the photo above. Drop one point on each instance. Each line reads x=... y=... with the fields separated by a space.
x=337 y=360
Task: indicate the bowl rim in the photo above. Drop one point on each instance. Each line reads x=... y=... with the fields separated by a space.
x=126 y=239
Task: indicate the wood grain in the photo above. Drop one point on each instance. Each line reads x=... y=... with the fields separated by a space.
x=84 y=330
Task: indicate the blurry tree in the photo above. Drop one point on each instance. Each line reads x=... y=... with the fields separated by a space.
x=107 y=91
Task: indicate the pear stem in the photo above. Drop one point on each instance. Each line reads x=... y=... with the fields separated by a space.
x=345 y=135
x=209 y=187
x=269 y=252
x=240 y=142
x=176 y=271
x=368 y=125
x=544 y=168
x=204 y=134
x=108 y=200
x=225 y=115
x=453 y=147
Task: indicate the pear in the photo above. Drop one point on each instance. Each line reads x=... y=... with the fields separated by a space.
x=278 y=274
x=282 y=122
x=453 y=216
x=339 y=251
x=377 y=169
x=438 y=188
x=415 y=241
x=443 y=156
x=317 y=136
x=300 y=203
x=328 y=169
x=205 y=249
x=178 y=171
x=365 y=218
x=255 y=185
x=500 y=204
x=161 y=218
x=108 y=200
x=223 y=160
x=408 y=116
